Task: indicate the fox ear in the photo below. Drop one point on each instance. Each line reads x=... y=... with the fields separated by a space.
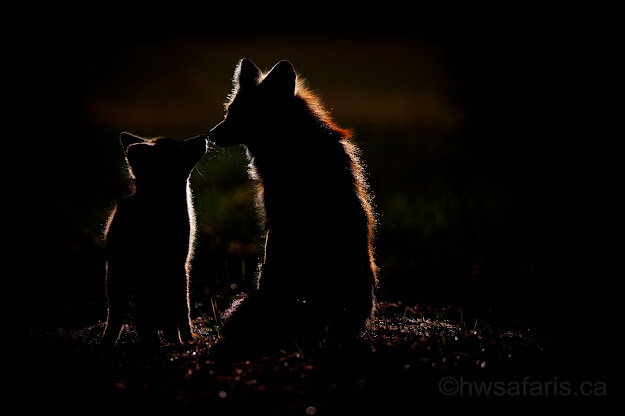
x=246 y=73
x=128 y=139
x=282 y=78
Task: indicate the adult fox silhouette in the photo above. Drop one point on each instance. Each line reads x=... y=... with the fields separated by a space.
x=318 y=273
x=150 y=238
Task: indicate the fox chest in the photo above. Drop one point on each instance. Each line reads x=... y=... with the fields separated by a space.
x=149 y=235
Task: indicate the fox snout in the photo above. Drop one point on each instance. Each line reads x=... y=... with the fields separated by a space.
x=223 y=136
x=201 y=140
x=199 y=144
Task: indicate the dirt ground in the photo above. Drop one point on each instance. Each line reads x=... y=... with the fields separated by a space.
x=402 y=361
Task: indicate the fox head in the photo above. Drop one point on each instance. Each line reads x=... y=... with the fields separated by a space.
x=162 y=159
x=259 y=104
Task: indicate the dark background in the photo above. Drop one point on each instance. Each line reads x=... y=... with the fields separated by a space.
x=487 y=199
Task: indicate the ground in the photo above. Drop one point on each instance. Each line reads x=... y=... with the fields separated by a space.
x=404 y=359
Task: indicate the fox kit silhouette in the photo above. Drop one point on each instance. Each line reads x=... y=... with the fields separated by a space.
x=150 y=238
x=318 y=274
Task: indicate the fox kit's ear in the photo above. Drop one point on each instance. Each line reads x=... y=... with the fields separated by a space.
x=128 y=139
x=246 y=74
x=282 y=78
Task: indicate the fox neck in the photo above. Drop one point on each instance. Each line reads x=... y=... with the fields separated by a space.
x=170 y=191
x=281 y=152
